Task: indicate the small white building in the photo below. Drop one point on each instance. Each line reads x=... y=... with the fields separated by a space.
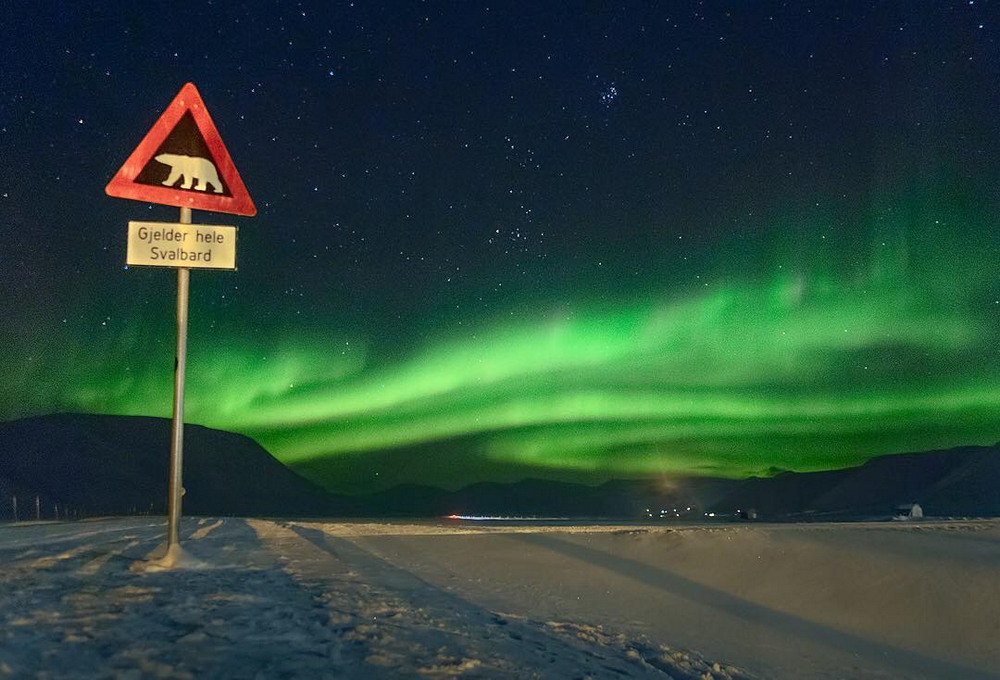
x=909 y=511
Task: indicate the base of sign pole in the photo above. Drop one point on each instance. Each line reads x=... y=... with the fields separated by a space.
x=164 y=558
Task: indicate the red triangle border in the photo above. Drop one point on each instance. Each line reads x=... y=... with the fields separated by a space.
x=123 y=184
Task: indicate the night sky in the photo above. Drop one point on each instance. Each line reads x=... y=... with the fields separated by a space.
x=575 y=240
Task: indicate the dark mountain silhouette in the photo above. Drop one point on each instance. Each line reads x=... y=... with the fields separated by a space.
x=119 y=465
x=96 y=465
x=959 y=482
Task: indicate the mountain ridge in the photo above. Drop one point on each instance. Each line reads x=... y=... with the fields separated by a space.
x=96 y=464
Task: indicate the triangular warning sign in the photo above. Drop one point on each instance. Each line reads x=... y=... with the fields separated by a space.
x=182 y=161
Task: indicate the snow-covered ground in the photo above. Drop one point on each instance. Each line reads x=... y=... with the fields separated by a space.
x=290 y=599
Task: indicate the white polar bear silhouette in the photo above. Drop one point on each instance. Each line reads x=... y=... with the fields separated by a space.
x=195 y=169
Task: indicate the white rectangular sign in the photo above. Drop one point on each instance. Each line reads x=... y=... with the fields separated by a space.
x=166 y=244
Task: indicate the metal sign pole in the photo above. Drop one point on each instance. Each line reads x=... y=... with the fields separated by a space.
x=177 y=428
x=182 y=129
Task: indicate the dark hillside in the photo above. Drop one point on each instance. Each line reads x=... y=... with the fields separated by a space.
x=119 y=465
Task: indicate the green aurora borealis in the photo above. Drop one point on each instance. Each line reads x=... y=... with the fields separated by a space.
x=578 y=242
x=803 y=371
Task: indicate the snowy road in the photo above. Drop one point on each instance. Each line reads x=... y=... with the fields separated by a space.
x=783 y=601
x=372 y=600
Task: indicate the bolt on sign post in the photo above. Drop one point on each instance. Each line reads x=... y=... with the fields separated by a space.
x=182 y=162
